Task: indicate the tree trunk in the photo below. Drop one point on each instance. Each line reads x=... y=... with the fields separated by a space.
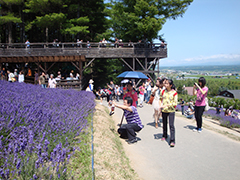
x=10 y=32
x=46 y=34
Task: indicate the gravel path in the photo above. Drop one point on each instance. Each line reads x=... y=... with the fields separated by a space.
x=207 y=155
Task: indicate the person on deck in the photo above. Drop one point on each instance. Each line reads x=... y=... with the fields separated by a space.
x=134 y=123
x=52 y=83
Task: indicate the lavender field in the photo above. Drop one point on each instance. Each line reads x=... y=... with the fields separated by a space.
x=227 y=121
x=38 y=128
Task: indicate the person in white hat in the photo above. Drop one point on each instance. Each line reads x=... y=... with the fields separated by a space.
x=91 y=84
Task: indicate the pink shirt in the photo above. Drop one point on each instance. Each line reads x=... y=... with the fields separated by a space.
x=201 y=98
x=141 y=90
x=133 y=95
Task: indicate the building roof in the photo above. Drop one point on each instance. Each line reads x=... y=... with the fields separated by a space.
x=230 y=93
x=236 y=93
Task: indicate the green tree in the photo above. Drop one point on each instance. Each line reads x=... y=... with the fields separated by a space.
x=9 y=15
x=143 y=19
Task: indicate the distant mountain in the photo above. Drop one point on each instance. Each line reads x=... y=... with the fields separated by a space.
x=208 y=68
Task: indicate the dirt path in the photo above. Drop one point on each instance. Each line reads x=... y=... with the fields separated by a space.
x=110 y=160
x=206 y=155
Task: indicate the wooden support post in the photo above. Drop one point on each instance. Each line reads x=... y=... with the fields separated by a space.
x=38 y=69
x=145 y=63
x=80 y=73
x=45 y=67
x=134 y=64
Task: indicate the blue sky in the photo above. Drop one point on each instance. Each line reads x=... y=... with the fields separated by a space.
x=207 y=34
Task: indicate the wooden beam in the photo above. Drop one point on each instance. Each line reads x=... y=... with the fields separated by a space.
x=151 y=64
x=75 y=66
x=127 y=64
x=51 y=66
x=88 y=64
x=134 y=64
x=140 y=64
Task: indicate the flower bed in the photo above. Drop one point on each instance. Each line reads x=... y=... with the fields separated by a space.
x=227 y=121
x=38 y=127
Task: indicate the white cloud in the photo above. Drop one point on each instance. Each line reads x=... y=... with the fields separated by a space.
x=217 y=56
x=218 y=59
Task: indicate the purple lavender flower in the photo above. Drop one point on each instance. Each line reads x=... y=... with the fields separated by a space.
x=32 y=123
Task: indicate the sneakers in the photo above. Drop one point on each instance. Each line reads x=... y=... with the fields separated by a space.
x=197 y=130
x=132 y=141
x=172 y=144
x=163 y=139
x=111 y=113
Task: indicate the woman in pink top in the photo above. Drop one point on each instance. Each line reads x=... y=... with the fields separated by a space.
x=131 y=93
x=141 y=94
x=201 y=91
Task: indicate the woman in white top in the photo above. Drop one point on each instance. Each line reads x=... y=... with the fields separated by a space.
x=21 y=77
x=156 y=92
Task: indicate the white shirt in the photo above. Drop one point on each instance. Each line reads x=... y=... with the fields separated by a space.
x=21 y=78
x=149 y=88
x=52 y=83
x=88 y=89
x=10 y=76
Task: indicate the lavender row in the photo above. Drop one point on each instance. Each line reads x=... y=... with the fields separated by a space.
x=224 y=120
x=38 y=127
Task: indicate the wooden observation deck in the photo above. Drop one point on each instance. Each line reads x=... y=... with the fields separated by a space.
x=137 y=57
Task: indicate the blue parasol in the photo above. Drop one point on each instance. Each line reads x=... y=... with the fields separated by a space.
x=132 y=75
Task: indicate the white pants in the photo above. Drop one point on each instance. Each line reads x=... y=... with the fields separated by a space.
x=141 y=96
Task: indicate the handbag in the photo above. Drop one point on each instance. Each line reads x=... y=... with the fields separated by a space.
x=207 y=105
x=151 y=99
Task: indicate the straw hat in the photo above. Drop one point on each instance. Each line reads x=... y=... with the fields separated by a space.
x=91 y=81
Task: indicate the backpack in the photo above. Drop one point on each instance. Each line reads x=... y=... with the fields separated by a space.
x=207 y=105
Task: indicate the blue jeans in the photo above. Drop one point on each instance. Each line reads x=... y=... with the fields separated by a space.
x=148 y=96
x=43 y=86
x=182 y=110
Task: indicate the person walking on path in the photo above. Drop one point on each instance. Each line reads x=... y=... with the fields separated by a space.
x=131 y=93
x=156 y=92
x=141 y=94
x=149 y=88
x=182 y=105
x=168 y=104
x=111 y=87
x=201 y=91
x=134 y=123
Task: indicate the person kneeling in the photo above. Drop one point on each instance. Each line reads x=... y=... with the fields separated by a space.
x=134 y=123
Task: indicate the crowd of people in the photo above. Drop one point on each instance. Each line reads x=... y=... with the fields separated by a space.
x=44 y=80
x=118 y=43
x=164 y=100
x=12 y=76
